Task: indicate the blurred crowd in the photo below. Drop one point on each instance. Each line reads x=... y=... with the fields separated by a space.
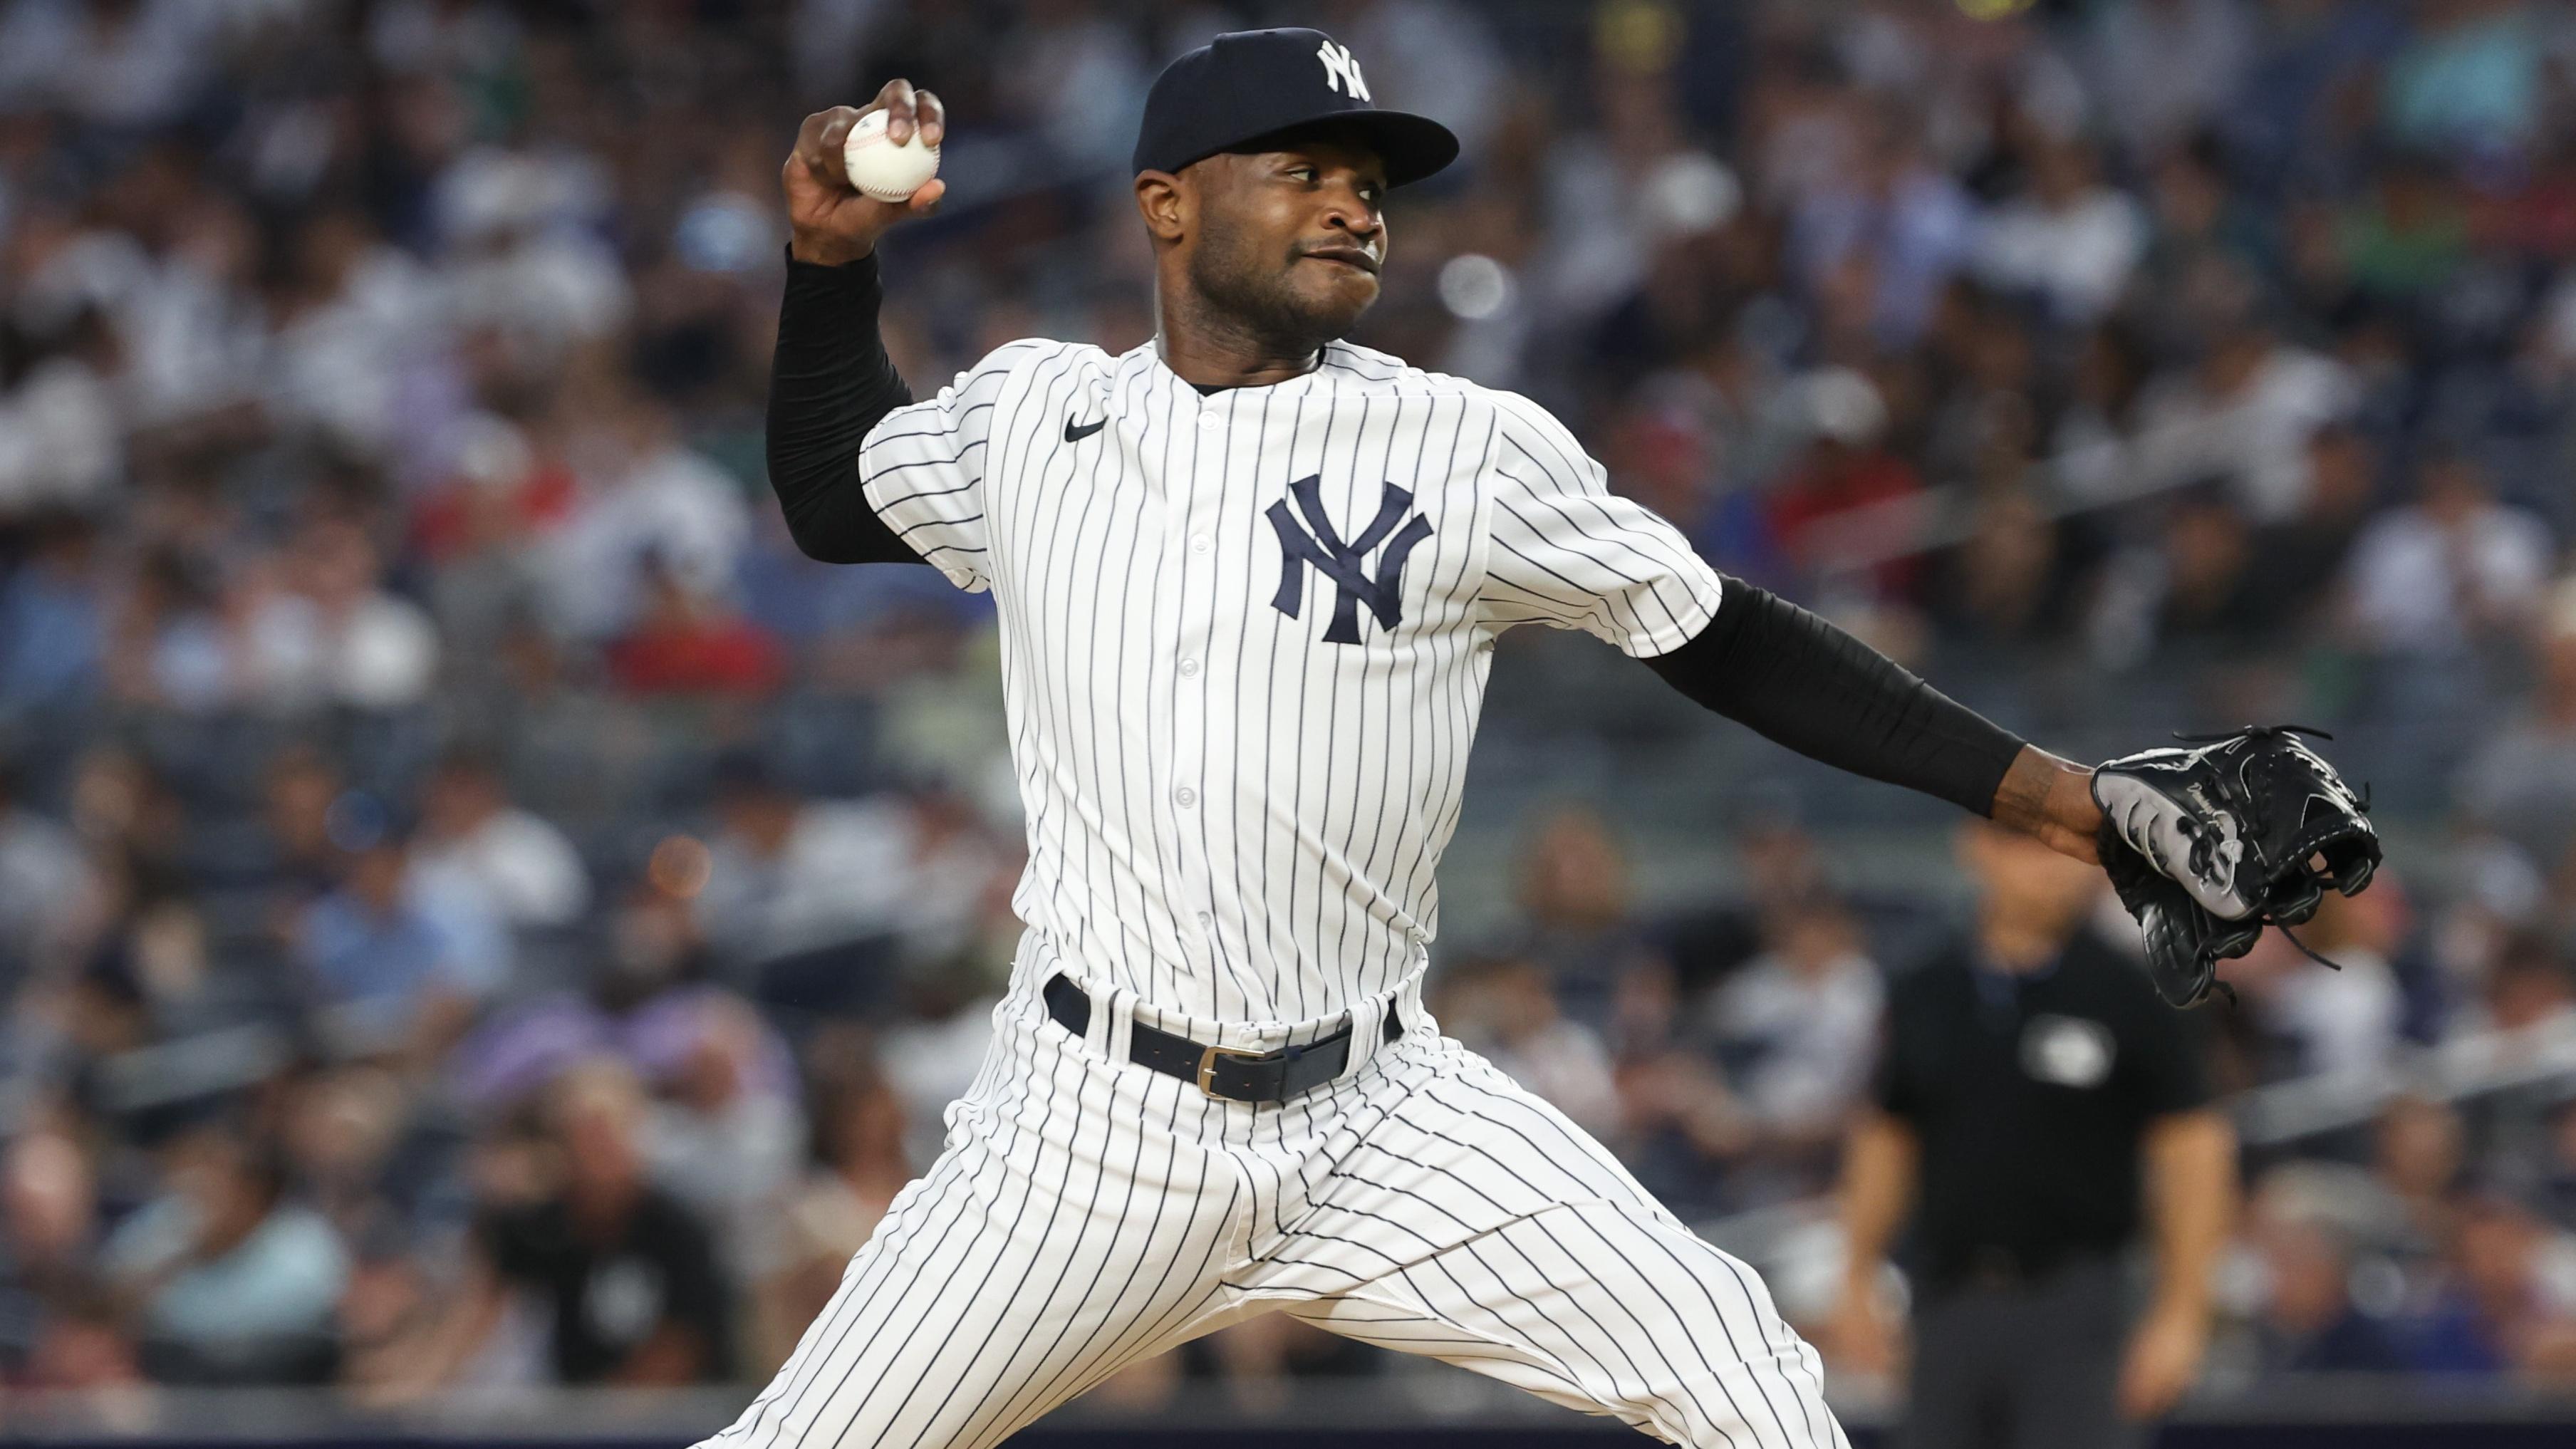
x=476 y=908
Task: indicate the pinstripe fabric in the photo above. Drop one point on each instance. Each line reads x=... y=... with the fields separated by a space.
x=1241 y=682
x=1228 y=814
x=1089 y=1213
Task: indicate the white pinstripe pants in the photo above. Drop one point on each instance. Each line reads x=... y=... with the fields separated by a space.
x=1088 y=1213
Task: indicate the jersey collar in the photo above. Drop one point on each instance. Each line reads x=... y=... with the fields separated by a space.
x=1308 y=381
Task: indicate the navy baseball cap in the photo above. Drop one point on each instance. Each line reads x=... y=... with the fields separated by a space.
x=1248 y=85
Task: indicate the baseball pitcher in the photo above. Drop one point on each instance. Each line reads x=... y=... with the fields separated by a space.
x=1249 y=578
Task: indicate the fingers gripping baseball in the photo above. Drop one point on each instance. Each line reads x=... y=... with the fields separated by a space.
x=831 y=220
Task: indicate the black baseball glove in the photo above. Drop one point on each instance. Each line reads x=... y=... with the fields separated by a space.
x=2209 y=845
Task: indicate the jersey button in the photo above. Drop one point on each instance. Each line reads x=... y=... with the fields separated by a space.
x=1201 y=544
x=1189 y=667
x=1208 y=423
x=1185 y=797
x=1206 y=920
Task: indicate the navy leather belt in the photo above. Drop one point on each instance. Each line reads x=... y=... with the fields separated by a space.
x=1235 y=1075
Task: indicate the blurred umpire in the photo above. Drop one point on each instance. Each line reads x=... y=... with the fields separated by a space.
x=2037 y=1106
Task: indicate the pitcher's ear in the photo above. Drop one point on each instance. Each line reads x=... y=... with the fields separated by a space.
x=1165 y=201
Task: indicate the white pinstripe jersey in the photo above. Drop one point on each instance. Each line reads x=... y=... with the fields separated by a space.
x=1240 y=728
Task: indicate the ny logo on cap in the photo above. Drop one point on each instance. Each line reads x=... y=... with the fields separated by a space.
x=1341 y=72
x=1346 y=564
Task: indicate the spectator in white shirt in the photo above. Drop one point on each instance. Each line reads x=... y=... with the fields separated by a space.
x=2069 y=239
x=2521 y=784
x=645 y=498
x=331 y=636
x=1505 y=1009
x=1798 y=1025
x=523 y=864
x=789 y=875
x=2456 y=564
x=113 y=63
x=2244 y=414
x=2162 y=68
x=2341 y=1020
x=726 y=1134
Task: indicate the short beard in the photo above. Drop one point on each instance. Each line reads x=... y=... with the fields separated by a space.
x=1250 y=295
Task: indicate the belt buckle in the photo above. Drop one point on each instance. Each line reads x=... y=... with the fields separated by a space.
x=1207 y=1066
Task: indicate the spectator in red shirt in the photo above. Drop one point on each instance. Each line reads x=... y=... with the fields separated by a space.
x=1846 y=498
x=686 y=642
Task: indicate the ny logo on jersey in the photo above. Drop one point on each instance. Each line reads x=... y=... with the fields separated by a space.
x=1318 y=543
x=1341 y=72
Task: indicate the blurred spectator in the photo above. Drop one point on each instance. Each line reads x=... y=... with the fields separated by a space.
x=305 y=807
x=520 y=862
x=2336 y=1021
x=931 y=1055
x=329 y=635
x=231 y=1282
x=2469 y=79
x=2243 y=414
x=127 y=63
x=353 y=1144
x=400 y=955
x=2507 y=1303
x=1741 y=1104
x=2201 y=228
x=1777 y=859
x=1504 y=1009
x=1795 y=1028
x=526 y=260
x=168 y=646
x=2303 y=554
x=2522 y=783
x=859 y=1164
x=1078 y=77
x=2532 y=988
x=1440 y=55
x=1877 y=240
x=2556 y=1189
x=49 y=1208
x=725 y=1135
x=61 y=442
x=2406 y=239
x=1575 y=926
x=2428 y=578
x=2195 y=585
x=481 y=527
x=629 y=1274
x=790 y=875
x=48 y=890
x=2070 y=239
x=353 y=319
x=2309 y=1323
x=2419 y=1154
x=688 y=643
x=646 y=503
x=53 y=618
x=1844 y=502
x=2164 y=68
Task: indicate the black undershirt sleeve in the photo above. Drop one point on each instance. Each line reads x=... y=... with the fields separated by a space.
x=829 y=382
x=1800 y=682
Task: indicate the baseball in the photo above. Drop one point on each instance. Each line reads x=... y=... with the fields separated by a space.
x=881 y=169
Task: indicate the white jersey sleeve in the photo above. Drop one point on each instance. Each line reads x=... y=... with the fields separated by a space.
x=923 y=467
x=1564 y=551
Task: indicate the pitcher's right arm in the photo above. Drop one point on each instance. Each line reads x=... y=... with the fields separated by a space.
x=831 y=382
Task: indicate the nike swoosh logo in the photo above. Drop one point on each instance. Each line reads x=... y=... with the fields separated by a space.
x=1074 y=433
